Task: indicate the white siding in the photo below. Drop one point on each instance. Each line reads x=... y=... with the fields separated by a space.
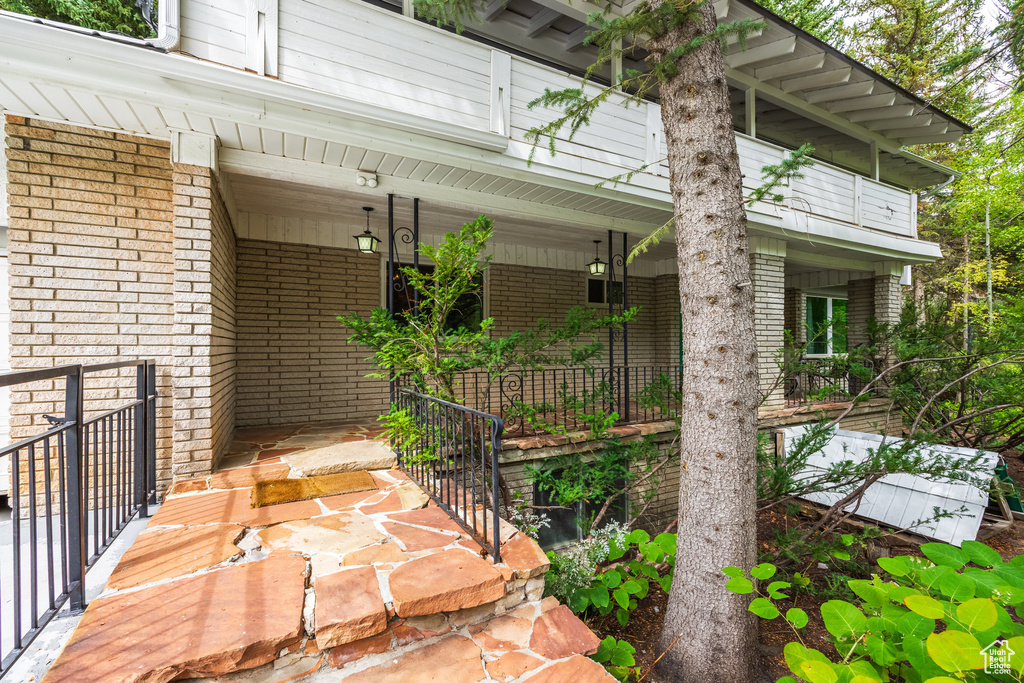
x=355 y=50
x=214 y=31
x=887 y=208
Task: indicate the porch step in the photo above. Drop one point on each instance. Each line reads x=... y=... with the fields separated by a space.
x=354 y=581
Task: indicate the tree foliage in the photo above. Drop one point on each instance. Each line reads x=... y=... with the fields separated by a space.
x=113 y=16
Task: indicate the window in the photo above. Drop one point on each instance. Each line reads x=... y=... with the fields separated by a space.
x=562 y=525
x=468 y=311
x=826 y=326
x=598 y=288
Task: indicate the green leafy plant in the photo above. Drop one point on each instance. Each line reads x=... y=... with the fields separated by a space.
x=929 y=620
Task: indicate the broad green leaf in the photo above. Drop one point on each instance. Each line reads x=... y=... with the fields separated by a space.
x=818 y=672
x=621 y=597
x=638 y=536
x=881 y=652
x=847 y=539
x=864 y=670
x=957 y=587
x=943 y=679
x=733 y=572
x=842 y=619
x=763 y=571
x=599 y=595
x=622 y=616
x=915 y=626
x=978 y=614
x=1008 y=595
x=945 y=554
x=797 y=617
x=872 y=595
x=775 y=589
x=740 y=585
x=897 y=566
x=796 y=654
x=611 y=579
x=632 y=587
x=984 y=581
x=666 y=583
x=1017 y=658
x=930 y=577
x=927 y=607
x=763 y=608
x=578 y=602
x=980 y=554
x=1010 y=574
x=668 y=544
x=840 y=554
x=955 y=651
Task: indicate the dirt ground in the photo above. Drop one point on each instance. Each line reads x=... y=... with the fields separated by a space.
x=644 y=628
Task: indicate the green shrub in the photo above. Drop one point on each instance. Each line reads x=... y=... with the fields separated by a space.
x=929 y=622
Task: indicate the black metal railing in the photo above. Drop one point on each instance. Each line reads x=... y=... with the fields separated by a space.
x=562 y=398
x=73 y=488
x=452 y=452
x=820 y=382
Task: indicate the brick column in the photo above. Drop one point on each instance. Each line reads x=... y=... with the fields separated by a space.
x=768 y=273
x=860 y=308
x=796 y=315
x=204 y=322
x=888 y=298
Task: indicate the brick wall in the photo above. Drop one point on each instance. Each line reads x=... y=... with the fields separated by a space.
x=860 y=307
x=666 y=313
x=796 y=315
x=91 y=265
x=768 y=274
x=204 y=322
x=294 y=362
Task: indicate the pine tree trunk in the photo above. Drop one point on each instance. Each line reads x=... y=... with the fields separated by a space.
x=717 y=526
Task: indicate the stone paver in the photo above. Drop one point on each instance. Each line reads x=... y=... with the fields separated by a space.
x=349 y=607
x=217 y=588
x=453 y=659
x=576 y=669
x=444 y=582
x=170 y=553
x=207 y=625
x=343 y=457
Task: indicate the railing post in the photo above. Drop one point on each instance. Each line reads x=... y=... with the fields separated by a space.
x=139 y=472
x=151 y=397
x=497 y=427
x=73 y=415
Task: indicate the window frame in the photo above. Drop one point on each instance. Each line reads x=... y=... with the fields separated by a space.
x=580 y=510
x=830 y=351
x=604 y=290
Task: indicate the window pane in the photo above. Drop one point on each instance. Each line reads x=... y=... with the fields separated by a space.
x=561 y=523
x=817 y=317
x=839 y=326
x=595 y=291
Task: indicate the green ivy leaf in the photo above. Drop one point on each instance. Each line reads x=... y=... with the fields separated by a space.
x=945 y=554
x=621 y=597
x=668 y=544
x=763 y=608
x=740 y=585
x=763 y=571
x=638 y=536
x=926 y=606
x=632 y=587
x=612 y=578
x=599 y=595
x=733 y=572
x=797 y=617
x=842 y=619
x=980 y=554
x=622 y=616
x=955 y=651
x=666 y=583
x=978 y=614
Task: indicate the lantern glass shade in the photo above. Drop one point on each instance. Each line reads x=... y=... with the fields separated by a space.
x=367 y=243
x=597 y=267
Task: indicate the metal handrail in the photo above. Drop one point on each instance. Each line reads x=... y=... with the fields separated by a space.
x=119 y=446
x=453 y=448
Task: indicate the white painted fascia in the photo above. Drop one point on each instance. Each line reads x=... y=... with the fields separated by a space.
x=168 y=27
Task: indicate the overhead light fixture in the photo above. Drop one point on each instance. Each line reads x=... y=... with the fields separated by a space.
x=367 y=242
x=364 y=179
x=597 y=266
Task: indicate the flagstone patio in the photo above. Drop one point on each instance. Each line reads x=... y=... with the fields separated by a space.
x=377 y=585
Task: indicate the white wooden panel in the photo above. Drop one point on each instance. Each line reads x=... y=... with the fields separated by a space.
x=827 y=191
x=261 y=18
x=899 y=501
x=886 y=208
x=355 y=50
x=3 y=189
x=214 y=31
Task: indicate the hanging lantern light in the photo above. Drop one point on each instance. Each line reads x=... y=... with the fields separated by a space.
x=367 y=242
x=597 y=266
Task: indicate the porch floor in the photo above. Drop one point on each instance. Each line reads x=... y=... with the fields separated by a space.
x=378 y=585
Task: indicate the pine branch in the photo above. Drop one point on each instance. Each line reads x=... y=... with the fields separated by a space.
x=774 y=175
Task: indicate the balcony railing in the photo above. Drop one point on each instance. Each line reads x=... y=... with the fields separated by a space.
x=74 y=487
x=818 y=383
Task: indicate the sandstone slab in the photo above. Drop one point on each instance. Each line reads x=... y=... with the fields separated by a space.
x=348 y=607
x=207 y=625
x=188 y=486
x=243 y=477
x=512 y=665
x=451 y=660
x=415 y=539
x=504 y=633
x=418 y=628
x=349 y=652
x=336 y=534
x=576 y=669
x=169 y=553
x=524 y=557
x=444 y=582
x=433 y=517
x=341 y=457
x=227 y=507
x=383 y=552
x=559 y=633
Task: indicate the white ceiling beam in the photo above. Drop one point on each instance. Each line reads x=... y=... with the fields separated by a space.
x=762 y=53
x=733 y=39
x=492 y=10
x=789 y=68
x=951 y=136
x=841 y=92
x=870 y=102
x=904 y=123
x=879 y=113
x=920 y=131
x=818 y=80
x=541 y=21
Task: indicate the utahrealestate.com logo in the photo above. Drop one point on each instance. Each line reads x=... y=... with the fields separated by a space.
x=997 y=657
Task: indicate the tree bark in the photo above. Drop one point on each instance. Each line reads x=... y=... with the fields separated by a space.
x=717 y=524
